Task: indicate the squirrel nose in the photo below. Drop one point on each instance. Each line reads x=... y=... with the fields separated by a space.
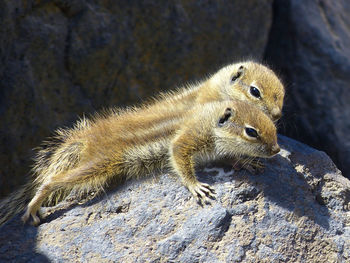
x=276 y=114
x=275 y=149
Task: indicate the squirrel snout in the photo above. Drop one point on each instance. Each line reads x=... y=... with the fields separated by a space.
x=276 y=114
x=275 y=149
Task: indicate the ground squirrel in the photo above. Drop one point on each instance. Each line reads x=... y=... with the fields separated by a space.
x=93 y=152
x=141 y=140
x=248 y=81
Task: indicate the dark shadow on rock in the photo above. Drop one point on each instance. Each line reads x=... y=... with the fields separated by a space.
x=18 y=243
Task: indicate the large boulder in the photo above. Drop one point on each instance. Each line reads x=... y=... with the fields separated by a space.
x=61 y=59
x=310 y=44
x=296 y=211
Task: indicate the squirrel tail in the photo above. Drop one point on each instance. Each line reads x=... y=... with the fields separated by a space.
x=15 y=203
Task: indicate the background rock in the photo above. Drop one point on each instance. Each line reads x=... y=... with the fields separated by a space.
x=61 y=59
x=296 y=211
x=310 y=44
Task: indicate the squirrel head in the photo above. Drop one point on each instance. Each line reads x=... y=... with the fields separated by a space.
x=244 y=129
x=254 y=83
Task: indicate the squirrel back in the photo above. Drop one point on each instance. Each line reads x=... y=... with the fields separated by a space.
x=248 y=81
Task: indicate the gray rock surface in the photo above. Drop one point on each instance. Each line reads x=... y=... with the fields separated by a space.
x=61 y=59
x=297 y=210
x=310 y=44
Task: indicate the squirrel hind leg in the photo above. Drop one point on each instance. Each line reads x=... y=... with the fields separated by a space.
x=67 y=180
x=34 y=205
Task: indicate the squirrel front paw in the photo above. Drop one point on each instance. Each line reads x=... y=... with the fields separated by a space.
x=202 y=192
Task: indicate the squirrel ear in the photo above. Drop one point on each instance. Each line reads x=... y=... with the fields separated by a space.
x=238 y=74
x=224 y=118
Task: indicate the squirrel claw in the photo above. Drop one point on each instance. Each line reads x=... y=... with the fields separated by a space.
x=253 y=166
x=36 y=219
x=202 y=192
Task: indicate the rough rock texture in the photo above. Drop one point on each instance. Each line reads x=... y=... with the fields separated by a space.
x=310 y=44
x=60 y=59
x=296 y=211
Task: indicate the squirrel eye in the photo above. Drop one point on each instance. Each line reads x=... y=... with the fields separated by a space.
x=251 y=132
x=255 y=92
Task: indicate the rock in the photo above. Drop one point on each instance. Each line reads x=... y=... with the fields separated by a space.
x=310 y=45
x=61 y=59
x=297 y=210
